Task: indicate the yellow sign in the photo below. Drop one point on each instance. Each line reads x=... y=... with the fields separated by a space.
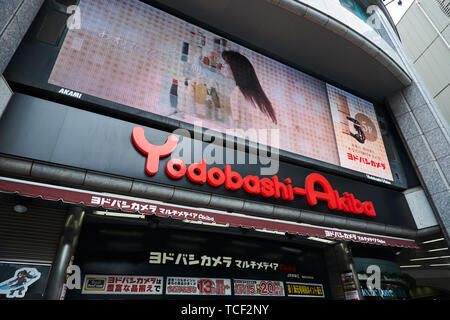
x=297 y=289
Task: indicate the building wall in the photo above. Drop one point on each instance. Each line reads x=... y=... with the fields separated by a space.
x=425 y=34
x=425 y=134
x=415 y=115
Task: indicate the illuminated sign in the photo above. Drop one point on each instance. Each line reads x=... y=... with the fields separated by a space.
x=198 y=286
x=261 y=288
x=268 y=188
x=307 y=290
x=138 y=56
x=122 y=284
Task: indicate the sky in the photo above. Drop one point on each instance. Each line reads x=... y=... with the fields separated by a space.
x=397 y=11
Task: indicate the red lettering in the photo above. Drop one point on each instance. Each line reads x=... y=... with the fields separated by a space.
x=267 y=189
x=233 y=180
x=369 y=209
x=349 y=201
x=175 y=168
x=280 y=189
x=215 y=177
x=313 y=195
x=288 y=182
x=197 y=172
x=251 y=184
x=341 y=204
x=357 y=205
x=153 y=153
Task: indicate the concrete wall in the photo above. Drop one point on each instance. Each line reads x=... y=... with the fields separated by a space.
x=15 y=18
x=425 y=134
x=425 y=34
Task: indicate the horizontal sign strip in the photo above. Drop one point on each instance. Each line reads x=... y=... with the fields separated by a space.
x=210 y=216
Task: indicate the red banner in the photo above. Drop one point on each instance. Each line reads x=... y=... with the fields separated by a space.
x=144 y=206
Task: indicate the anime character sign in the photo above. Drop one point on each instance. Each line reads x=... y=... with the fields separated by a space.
x=17 y=286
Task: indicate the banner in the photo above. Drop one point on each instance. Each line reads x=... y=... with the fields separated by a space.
x=305 y=290
x=198 y=286
x=203 y=216
x=113 y=284
x=258 y=288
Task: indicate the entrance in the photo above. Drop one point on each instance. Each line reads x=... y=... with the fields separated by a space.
x=160 y=258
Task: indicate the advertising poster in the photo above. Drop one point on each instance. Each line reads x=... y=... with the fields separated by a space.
x=23 y=281
x=358 y=137
x=349 y=286
x=113 y=284
x=305 y=290
x=198 y=286
x=258 y=288
x=133 y=54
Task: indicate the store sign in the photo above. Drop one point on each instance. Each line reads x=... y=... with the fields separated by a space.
x=378 y=293
x=198 y=286
x=113 y=284
x=305 y=290
x=208 y=216
x=199 y=173
x=258 y=288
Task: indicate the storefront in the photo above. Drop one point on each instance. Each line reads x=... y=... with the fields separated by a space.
x=186 y=183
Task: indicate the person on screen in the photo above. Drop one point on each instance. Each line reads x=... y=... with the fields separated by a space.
x=246 y=79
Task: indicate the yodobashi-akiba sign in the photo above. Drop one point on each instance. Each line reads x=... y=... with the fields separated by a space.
x=200 y=173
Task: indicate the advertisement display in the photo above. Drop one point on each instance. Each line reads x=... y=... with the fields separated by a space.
x=23 y=281
x=113 y=284
x=258 y=288
x=306 y=290
x=198 y=286
x=135 y=55
x=349 y=286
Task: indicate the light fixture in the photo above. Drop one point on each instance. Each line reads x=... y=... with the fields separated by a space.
x=429 y=258
x=440 y=265
x=440 y=249
x=321 y=240
x=434 y=240
x=411 y=266
x=289 y=249
x=206 y=223
x=119 y=214
x=20 y=208
x=271 y=231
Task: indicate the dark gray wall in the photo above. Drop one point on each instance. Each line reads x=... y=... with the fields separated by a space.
x=15 y=18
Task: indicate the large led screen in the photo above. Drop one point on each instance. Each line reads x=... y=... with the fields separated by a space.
x=133 y=54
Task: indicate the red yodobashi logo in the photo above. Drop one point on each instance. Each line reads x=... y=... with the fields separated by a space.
x=232 y=180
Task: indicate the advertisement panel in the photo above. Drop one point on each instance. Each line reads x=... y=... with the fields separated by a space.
x=198 y=286
x=306 y=290
x=114 y=284
x=135 y=55
x=23 y=281
x=258 y=288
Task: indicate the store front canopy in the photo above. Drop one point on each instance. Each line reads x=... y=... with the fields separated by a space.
x=126 y=204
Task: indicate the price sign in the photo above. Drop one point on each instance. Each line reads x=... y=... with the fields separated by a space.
x=198 y=286
x=258 y=288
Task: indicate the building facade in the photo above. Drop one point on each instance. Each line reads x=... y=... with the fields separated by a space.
x=428 y=47
x=185 y=149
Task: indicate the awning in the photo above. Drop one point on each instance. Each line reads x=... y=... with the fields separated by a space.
x=108 y=201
